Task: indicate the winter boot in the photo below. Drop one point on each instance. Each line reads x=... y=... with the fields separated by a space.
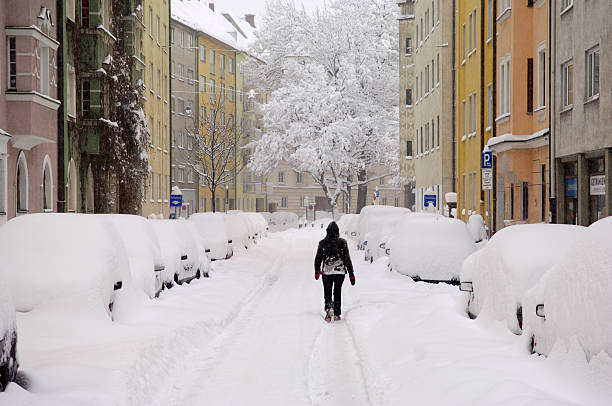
x=329 y=315
x=336 y=318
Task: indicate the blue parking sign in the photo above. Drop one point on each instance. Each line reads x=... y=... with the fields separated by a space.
x=487 y=160
x=427 y=199
x=176 y=200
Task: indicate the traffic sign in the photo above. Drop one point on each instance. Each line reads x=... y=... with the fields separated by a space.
x=487 y=160
x=429 y=199
x=487 y=178
x=176 y=200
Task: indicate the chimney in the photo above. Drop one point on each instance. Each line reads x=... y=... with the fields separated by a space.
x=250 y=18
x=211 y=5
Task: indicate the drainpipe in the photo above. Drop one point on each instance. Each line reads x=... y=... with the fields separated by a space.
x=61 y=125
x=454 y=86
x=552 y=170
x=493 y=116
x=170 y=94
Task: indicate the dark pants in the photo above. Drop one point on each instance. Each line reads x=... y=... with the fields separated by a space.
x=333 y=282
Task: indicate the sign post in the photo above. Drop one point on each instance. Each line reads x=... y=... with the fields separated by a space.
x=487 y=182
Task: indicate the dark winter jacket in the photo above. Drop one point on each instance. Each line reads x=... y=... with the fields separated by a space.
x=333 y=254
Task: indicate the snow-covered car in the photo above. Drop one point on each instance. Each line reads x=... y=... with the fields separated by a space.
x=370 y=219
x=430 y=247
x=572 y=303
x=498 y=276
x=8 y=338
x=143 y=251
x=239 y=230
x=211 y=228
x=259 y=222
x=283 y=220
x=76 y=257
x=476 y=227
x=377 y=239
x=179 y=250
x=204 y=265
x=348 y=225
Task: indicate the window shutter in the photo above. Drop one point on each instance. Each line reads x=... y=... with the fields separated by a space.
x=530 y=85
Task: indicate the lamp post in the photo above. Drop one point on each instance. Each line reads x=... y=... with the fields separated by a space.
x=226 y=197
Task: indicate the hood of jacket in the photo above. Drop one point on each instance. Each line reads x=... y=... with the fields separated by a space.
x=332 y=231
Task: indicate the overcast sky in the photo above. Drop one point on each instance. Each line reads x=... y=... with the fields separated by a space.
x=258 y=7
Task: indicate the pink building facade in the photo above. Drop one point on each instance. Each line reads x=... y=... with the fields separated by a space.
x=28 y=107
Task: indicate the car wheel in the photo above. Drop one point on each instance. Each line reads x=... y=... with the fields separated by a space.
x=198 y=274
x=176 y=279
x=371 y=259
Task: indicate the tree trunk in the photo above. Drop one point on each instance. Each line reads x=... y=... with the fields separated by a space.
x=362 y=191
x=213 y=202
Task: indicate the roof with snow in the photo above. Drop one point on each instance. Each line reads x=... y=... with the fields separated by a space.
x=223 y=27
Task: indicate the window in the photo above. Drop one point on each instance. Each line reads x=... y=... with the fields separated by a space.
x=511 y=202
x=157 y=29
x=463 y=44
x=432 y=75
x=180 y=39
x=47 y=186
x=489 y=19
x=21 y=191
x=463 y=120
x=543 y=193
x=504 y=5
x=44 y=70
x=203 y=115
x=474 y=116
x=181 y=175
x=85 y=13
x=504 y=86
x=181 y=105
x=12 y=63
x=211 y=61
x=299 y=177
x=172 y=101
x=71 y=91
x=469 y=115
x=475 y=36
x=438 y=144
x=565 y=4
x=463 y=193
x=381 y=181
x=202 y=83
x=409 y=149
x=202 y=53
x=86 y=98
x=489 y=105
x=408 y=97
x=408 y=45
x=470 y=35
x=542 y=76
x=592 y=72
x=171 y=35
x=438 y=70
x=432 y=15
x=2 y=184
x=181 y=71
x=190 y=42
x=417 y=34
x=433 y=135
x=281 y=177
x=222 y=65
x=231 y=93
x=567 y=84
x=190 y=175
x=172 y=69
x=438 y=8
x=231 y=65
x=222 y=94
x=396 y=202
x=426 y=137
x=190 y=76
x=529 y=85
x=283 y=202
x=151 y=21
x=525 y=200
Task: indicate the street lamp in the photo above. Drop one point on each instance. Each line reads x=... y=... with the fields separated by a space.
x=226 y=197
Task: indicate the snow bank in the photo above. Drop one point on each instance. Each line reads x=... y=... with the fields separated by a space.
x=476 y=227
x=577 y=295
x=371 y=217
x=142 y=248
x=513 y=261
x=50 y=256
x=211 y=228
x=430 y=247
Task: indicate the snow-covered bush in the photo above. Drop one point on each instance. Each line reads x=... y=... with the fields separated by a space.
x=476 y=226
x=511 y=263
x=143 y=251
x=52 y=256
x=577 y=295
x=211 y=228
x=430 y=247
x=8 y=337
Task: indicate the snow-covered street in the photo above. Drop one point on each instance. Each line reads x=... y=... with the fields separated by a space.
x=254 y=334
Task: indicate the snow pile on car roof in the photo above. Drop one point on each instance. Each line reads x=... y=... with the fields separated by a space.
x=577 y=295
x=348 y=224
x=75 y=254
x=371 y=216
x=430 y=247
x=513 y=261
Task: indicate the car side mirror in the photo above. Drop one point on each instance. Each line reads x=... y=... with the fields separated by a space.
x=353 y=234
x=382 y=245
x=118 y=285
x=388 y=251
x=466 y=287
x=540 y=311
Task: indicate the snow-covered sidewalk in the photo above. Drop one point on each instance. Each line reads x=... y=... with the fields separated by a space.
x=254 y=334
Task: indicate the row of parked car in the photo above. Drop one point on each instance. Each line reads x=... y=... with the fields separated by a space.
x=46 y=258
x=549 y=280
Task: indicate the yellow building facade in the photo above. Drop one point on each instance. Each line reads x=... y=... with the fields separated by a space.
x=155 y=49
x=250 y=187
x=475 y=103
x=217 y=78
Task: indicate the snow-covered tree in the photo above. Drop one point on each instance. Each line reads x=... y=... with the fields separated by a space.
x=332 y=81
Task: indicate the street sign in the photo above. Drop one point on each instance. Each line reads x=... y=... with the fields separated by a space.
x=429 y=199
x=176 y=200
x=487 y=178
x=487 y=160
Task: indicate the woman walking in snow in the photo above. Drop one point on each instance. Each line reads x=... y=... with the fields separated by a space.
x=333 y=254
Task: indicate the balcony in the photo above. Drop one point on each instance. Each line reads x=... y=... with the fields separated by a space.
x=406 y=9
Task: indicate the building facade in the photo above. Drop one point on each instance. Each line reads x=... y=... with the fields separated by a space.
x=184 y=107
x=475 y=36
x=433 y=100
x=28 y=107
x=156 y=54
x=406 y=93
x=582 y=110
